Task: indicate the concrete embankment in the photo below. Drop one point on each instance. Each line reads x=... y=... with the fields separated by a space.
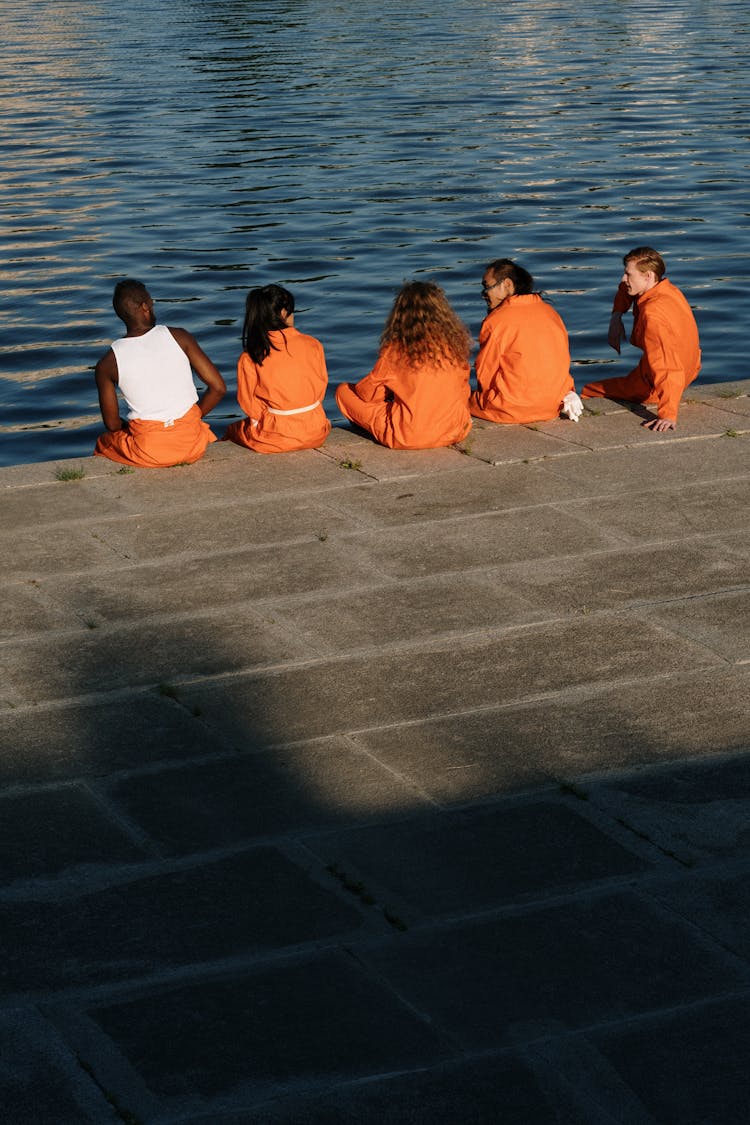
x=360 y=786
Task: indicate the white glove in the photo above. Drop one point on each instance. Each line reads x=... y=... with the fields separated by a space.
x=572 y=406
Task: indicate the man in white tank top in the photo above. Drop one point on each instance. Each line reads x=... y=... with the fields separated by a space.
x=152 y=368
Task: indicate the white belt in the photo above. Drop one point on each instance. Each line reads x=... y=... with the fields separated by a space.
x=298 y=410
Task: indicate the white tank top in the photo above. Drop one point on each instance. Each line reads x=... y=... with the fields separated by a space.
x=154 y=375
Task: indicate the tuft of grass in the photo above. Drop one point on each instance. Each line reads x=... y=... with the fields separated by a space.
x=70 y=474
x=353 y=886
x=90 y=623
x=347 y=464
x=395 y=921
x=125 y=469
x=168 y=690
x=731 y=433
x=729 y=393
x=573 y=790
x=322 y=535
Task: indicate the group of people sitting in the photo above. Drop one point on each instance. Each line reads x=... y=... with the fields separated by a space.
x=418 y=394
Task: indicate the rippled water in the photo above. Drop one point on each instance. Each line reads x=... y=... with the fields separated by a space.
x=206 y=147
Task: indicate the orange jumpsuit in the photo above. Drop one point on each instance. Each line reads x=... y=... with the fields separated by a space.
x=407 y=407
x=157 y=445
x=664 y=329
x=282 y=396
x=523 y=363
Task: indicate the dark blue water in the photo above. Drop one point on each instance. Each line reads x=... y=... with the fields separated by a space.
x=206 y=147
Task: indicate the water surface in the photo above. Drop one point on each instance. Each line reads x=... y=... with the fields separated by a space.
x=211 y=145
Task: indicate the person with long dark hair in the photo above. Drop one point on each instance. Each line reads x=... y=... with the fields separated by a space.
x=523 y=364
x=281 y=378
x=417 y=394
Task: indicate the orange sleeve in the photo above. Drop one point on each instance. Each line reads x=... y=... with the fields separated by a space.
x=490 y=356
x=374 y=387
x=247 y=381
x=661 y=354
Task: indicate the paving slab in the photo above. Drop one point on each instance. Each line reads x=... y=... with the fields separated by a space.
x=577 y=963
x=98 y=931
x=656 y=464
x=43 y=833
x=336 y=697
x=229 y=801
x=51 y=502
x=721 y=622
x=445 y=863
x=626 y=577
x=502 y=1088
x=718 y=905
x=500 y=444
x=688 y=1068
x=477 y=488
x=252 y=522
x=26 y=611
x=482 y=540
x=356 y=453
x=162 y=587
x=696 y=810
x=612 y=430
x=89 y=739
x=226 y=473
x=668 y=513
x=295 y=1023
x=98 y=658
x=30 y=554
x=733 y=404
x=500 y=750
x=41 y=1080
x=403 y=610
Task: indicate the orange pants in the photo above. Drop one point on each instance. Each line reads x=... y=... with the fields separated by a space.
x=155 y=445
x=630 y=388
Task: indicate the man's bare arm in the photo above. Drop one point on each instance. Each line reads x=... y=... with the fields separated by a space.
x=206 y=371
x=105 y=374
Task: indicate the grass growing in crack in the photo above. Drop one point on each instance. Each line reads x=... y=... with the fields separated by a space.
x=573 y=791
x=394 y=921
x=90 y=623
x=729 y=393
x=360 y=891
x=353 y=886
x=125 y=469
x=731 y=433
x=348 y=464
x=70 y=474
x=168 y=690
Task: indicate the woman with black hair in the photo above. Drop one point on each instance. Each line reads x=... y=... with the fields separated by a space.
x=281 y=378
x=523 y=364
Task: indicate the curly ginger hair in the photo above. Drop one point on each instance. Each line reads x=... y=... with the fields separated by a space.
x=423 y=327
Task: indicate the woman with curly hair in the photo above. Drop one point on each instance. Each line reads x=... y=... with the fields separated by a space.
x=417 y=394
x=281 y=378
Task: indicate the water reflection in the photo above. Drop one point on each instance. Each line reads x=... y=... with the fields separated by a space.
x=339 y=151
